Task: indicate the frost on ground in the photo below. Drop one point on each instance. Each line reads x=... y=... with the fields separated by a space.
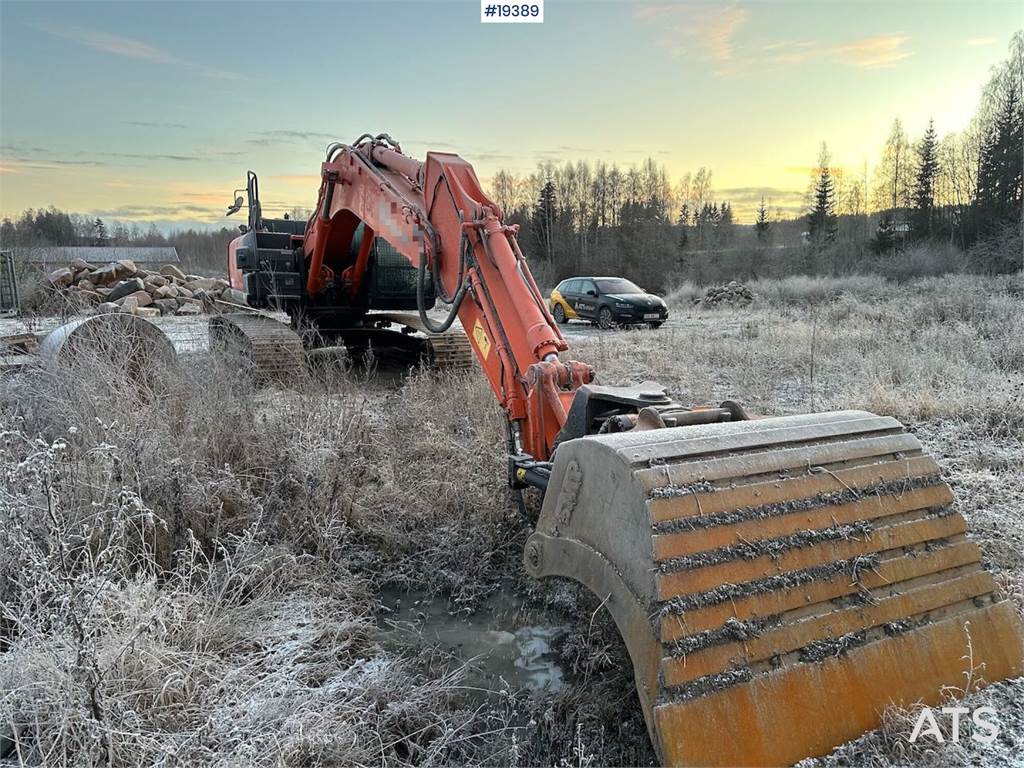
x=193 y=574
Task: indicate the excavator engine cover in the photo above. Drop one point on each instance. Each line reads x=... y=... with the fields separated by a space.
x=778 y=582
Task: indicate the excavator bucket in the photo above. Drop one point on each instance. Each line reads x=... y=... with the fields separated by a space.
x=778 y=582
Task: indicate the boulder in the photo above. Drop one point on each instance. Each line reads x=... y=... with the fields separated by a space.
x=104 y=275
x=166 y=306
x=126 y=268
x=103 y=291
x=147 y=312
x=164 y=292
x=183 y=292
x=144 y=298
x=143 y=273
x=86 y=285
x=189 y=308
x=128 y=304
x=88 y=297
x=169 y=270
x=60 y=278
x=107 y=307
x=207 y=284
x=156 y=281
x=77 y=265
x=126 y=288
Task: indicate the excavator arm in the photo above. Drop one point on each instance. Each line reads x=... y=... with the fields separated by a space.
x=436 y=214
x=764 y=573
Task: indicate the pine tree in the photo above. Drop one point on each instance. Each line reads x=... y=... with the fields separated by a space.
x=99 y=230
x=1001 y=168
x=725 y=224
x=924 y=185
x=821 y=221
x=762 y=226
x=684 y=225
x=544 y=213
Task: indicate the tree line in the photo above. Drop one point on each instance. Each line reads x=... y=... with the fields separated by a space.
x=199 y=251
x=962 y=188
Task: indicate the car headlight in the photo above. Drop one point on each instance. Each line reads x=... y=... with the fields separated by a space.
x=623 y=305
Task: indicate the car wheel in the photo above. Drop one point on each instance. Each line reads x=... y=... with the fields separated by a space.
x=656 y=324
x=559 y=314
x=604 y=318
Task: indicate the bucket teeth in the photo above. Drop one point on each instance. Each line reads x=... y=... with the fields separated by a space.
x=765 y=571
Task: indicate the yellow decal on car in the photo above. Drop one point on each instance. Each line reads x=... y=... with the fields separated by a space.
x=557 y=298
x=480 y=336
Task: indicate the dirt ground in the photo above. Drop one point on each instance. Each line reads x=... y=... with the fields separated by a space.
x=328 y=573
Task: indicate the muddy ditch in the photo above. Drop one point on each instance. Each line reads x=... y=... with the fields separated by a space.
x=504 y=644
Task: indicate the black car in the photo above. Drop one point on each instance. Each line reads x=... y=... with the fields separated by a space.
x=607 y=301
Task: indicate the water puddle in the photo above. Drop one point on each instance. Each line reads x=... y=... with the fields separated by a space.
x=502 y=643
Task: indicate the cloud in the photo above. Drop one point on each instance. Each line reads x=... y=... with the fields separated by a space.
x=979 y=41
x=287 y=136
x=146 y=156
x=18 y=165
x=432 y=144
x=299 y=179
x=790 y=52
x=104 y=42
x=774 y=196
x=171 y=210
x=148 y=124
x=710 y=33
x=873 y=52
x=710 y=29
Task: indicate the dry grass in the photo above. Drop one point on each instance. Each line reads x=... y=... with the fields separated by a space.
x=190 y=573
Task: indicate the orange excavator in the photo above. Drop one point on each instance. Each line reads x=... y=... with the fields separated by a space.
x=778 y=582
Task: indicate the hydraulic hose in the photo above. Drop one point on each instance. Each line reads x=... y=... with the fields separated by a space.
x=421 y=301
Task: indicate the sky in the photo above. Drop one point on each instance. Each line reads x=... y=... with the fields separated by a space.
x=153 y=111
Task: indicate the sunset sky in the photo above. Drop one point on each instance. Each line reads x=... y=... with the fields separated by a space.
x=154 y=111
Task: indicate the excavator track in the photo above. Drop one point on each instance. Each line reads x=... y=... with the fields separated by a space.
x=272 y=348
x=450 y=350
x=778 y=582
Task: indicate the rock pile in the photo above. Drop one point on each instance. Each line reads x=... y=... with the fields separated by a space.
x=121 y=286
x=732 y=293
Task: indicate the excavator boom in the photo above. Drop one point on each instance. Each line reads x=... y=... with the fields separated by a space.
x=436 y=214
x=779 y=582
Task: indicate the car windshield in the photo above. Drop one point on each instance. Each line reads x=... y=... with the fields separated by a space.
x=617 y=285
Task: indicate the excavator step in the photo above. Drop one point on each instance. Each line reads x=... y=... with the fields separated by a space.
x=769 y=572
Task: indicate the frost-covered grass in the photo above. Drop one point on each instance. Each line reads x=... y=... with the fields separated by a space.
x=191 y=573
